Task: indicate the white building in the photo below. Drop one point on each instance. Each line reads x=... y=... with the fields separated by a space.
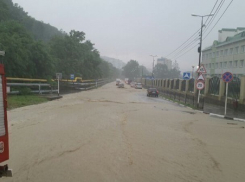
x=228 y=32
x=165 y=61
x=227 y=55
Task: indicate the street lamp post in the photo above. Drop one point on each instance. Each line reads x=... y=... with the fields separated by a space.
x=152 y=68
x=200 y=48
x=193 y=70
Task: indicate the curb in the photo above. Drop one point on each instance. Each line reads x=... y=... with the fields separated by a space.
x=226 y=117
x=210 y=114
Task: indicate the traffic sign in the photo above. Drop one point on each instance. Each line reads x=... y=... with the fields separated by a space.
x=72 y=76
x=200 y=85
x=201 y=69
x=227 y=77
x=201 y=77
x=186 y=76
x=59 y=76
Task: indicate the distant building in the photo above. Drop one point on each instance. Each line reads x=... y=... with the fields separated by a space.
x=228 y=54
x=165 y=61
x=115 y=62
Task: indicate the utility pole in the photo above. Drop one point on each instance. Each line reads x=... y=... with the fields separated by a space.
x=200 y=48
x=192 y=70
x=152 y=68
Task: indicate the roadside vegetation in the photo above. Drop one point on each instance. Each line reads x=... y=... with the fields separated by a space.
x=133 y=70
x=35 y=49
x=15 y=101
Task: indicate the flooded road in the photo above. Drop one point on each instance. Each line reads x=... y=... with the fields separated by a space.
x=112 y=134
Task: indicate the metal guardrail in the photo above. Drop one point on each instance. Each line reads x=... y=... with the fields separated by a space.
x=91 y=84
x=28 y=84
x=36 y=91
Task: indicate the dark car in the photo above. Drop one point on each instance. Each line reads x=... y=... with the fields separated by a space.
x=152 y=92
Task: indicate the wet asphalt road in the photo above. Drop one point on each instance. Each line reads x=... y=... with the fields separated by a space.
x=112 y=134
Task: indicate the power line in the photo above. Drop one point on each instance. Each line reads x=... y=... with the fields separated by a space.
x=218 y=19
x=176 y=54
x=211 y=11
x=187 y=51
x=183 y=43
x=209 y=31
x=215 y=14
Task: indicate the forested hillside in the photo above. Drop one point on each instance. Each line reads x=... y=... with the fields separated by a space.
x=38 y=50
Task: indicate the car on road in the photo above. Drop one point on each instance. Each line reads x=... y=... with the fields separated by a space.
x=118 y=81
x=132 y=84
x=152 y=92
x=138 y=86
x=121 y=85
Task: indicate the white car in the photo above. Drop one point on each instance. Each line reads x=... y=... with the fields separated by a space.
x=138 y=86
x=118 y=81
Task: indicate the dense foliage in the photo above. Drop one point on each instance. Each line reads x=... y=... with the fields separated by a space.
x=38 y=50
x=144 y=71
x=162 y=71
x=131 y=69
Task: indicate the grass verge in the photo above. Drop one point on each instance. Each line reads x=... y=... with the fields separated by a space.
x=15 y=101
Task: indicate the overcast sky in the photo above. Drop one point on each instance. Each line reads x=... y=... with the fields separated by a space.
x=135 y=29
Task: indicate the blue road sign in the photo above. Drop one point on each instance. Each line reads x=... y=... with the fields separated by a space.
x=72 y=76
x=186 y=76
x=227 y=77
x=149 y=78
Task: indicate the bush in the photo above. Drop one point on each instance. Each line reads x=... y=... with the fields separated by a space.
x=25 y=91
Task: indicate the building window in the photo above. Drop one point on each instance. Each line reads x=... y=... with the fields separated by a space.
x=216 y=66
x=212 y=65
x=241 y=63
x=242 y=49
x=217 y=54
x=221 y=53
x=209 y=65
x=225 y=64
x=235 y=64
x=225 y=53
x=213 y=55
x=230 y=64
x=236 y=50
x=220 y=64
x=231 y=51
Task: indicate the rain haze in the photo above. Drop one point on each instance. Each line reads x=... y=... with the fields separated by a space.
x=125 y=30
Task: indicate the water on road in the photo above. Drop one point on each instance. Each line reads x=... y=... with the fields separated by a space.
x=119 y=134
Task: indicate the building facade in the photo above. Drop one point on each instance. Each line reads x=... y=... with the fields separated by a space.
x=165 y=61
x=228 y=55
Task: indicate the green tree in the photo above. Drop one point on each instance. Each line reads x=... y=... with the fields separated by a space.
x=75 y=55
x=174 y=73
x=4 y=11
x=144 y=71
x=161 y=71
x=38 y=50
x=131 y=69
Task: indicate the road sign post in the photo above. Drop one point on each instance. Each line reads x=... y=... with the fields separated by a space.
x=201 y=70
x=186 y=75
x=72 y=76
x=199 y=85
x=58 y=77
x=227 y=77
